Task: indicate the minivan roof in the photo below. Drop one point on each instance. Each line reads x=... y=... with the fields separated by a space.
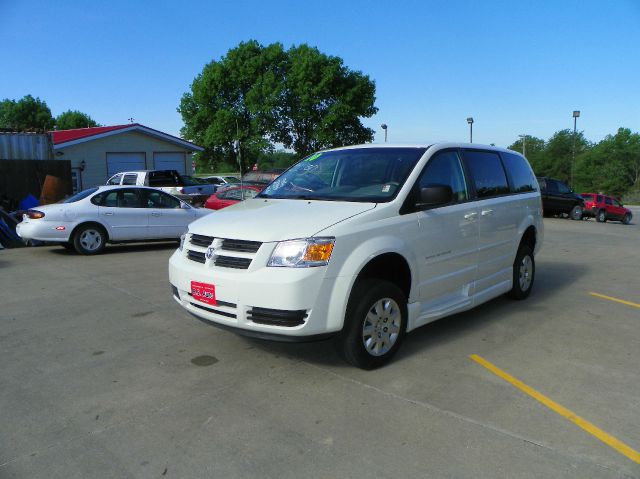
x=438 y=146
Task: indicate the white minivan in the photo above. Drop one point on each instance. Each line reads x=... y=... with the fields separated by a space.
x=367 y=243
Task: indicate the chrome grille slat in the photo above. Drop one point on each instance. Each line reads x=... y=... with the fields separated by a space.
x=232 y=262
x=241 y=246
x=245 y=251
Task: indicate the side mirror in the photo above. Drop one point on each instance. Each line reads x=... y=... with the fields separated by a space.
x=435 y=195
x=185 y=206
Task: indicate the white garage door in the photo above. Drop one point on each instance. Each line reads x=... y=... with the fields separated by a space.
x=117 y=162
x=170 y=161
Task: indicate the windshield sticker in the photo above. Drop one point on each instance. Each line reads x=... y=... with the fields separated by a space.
x=313 y=157
x=386 y=188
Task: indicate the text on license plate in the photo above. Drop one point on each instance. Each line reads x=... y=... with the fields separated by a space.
x=203 y=292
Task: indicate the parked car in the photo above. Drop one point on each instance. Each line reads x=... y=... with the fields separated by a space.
x=231 y=196
x=198 y=189
x=169 y=181
x=603 y=208
x=366 y=243
x=109 y=214
x=220 y=180
x=264 y=177
x=558 y=198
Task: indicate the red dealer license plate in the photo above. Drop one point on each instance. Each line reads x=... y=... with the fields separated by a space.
x=203 y=292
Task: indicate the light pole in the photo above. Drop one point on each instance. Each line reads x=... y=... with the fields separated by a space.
x=470 y=121
x=384 y=127
x=524 y=144
x=576 y=114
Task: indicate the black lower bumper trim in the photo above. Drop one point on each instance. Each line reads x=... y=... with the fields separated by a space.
x=268 y=336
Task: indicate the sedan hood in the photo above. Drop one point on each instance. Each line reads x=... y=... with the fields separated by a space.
x=268 y=220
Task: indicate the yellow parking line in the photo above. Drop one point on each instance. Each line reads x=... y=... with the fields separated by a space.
x=595 y=431
x=621 y=301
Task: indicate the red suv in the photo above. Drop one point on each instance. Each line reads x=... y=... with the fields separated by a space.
x=605 y=208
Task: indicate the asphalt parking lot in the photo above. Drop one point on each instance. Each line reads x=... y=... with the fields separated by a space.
x=103 y=375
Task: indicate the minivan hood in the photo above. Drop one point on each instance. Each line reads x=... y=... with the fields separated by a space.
x=268 y=220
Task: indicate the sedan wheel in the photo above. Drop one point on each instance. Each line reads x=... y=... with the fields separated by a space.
x=89 y=239
x=627 y=219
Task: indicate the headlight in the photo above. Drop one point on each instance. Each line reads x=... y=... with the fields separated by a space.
x=182 y=238
x=302 y=253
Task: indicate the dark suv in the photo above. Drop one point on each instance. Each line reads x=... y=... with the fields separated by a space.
x=558 y=198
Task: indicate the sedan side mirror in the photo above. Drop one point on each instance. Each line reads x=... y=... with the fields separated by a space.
x=435 y=195
x=185 y=206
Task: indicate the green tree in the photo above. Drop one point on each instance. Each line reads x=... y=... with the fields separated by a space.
x=276 y=159
x=557 y=160
x=299 y=98
x=28 y=113
x=72 y=119
x=534 y=151
x=321 y=103
x=226 y=100
x=612 y=166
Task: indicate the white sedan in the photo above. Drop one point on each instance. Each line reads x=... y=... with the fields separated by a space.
x=114 y=214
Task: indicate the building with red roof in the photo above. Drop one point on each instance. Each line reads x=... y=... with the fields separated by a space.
x=98 y=153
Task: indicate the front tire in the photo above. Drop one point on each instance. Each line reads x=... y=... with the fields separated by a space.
x=375 y=323
x=601 y=216
x=524 y=272
x=627 y=219
x=89 y=239
x=576 y=213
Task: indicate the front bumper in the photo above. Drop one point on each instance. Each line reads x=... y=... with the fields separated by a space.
x=246 y=297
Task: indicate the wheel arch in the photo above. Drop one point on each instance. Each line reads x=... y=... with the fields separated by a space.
x=87 y=223
x=392 y=267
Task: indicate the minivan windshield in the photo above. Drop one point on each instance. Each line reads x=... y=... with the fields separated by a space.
x=372 y=175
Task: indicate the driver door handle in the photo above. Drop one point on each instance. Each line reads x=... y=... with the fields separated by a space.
x=487 y=212
x=108 y=213
x=155 y=213
x=470 y=216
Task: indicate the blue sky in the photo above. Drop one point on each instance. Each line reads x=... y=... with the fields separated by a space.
x=515 y=66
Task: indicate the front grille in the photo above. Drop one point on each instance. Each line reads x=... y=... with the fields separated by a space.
x=241 y=246
x=277 y=317
x=232 y=262
x=196 y=256
x=201 y=240
x=198 y=243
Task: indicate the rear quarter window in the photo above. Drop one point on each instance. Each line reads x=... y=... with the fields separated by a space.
x=520 y=174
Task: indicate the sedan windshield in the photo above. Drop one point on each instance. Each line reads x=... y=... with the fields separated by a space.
x=373 y=175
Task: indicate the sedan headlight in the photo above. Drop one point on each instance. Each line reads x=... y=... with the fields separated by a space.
x=302 y=253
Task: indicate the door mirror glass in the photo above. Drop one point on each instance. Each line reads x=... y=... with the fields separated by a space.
x=435 y=195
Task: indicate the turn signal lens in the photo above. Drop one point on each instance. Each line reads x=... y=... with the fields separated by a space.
x=34 y=215
x=318 y=252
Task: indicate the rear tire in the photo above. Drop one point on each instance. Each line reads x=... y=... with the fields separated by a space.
x=576 y=213
x=601 y=216
x=89 y=239
x=375 y=323
x=524 y=273
x=626 y=219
